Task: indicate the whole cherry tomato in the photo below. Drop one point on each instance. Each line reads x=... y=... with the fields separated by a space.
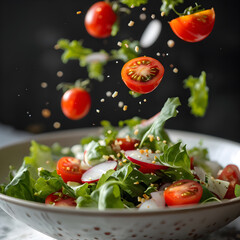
x=183 y=192
x=69 y=168
x=194 y=27
x=231 y=174
x=142 y=74
x=76 y=103
x=99 y=20
x=61 y=200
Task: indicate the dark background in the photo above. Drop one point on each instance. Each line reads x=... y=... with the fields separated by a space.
x=30 y=29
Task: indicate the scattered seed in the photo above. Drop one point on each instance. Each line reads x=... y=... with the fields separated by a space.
x=162 y=14
x=59 y=73
x=153 y=16
x=108 y=93
x=119 y=44
x=145 y=100
x=136 y=183
x=115 y=94
x=170 y=43
x=136 y=49
x=136 y=132
x=56 y=125
x=125 y=107
x=102 y=100
x=126 y=45
x=142 y=16
x=131 y=23
x=144 y=9
x=97 y=110
x=175 y=70
x=78 y=12
x=158 y=54
x=120 y=104
x=44 y=84
x=46 y=113
x=171 y=65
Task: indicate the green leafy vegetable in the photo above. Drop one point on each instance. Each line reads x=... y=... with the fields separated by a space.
x=237 y=190
x=199 y=94
x=135 y=3
x=168 y=5
x=157 y=129
x=75 y=50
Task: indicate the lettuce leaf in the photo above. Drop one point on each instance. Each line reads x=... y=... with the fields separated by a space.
x=168 y=5
x=135 y=3
x=198 y=101
x=237 y=190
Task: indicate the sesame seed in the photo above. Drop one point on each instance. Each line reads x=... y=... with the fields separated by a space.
x=142 y=16
x=128 y=138
x=164 y=141
x=153 y=162
x=132 y=6
x=120 y=163
x=171 y=65
x=136 y=49
x=153 y=16
x=115 y=94
x=144 y=9
x=46 y=113
x=139 y=199
x=136 y=183
x=136 y=132
x=124 y=160
x=119 y=44
x=102 y=100
x=162 y=14
x=131 y=23
x=118 y=155
x=125 y=107
x=136 y=144
x=170 y=43
x=56 y=125
x=158 y=138
x=126 y=45
x=59 y=73
x=78 y=12
x=44 y=84
x=120 y=104
x=141 y=151
x=144 y=99
x=109 y=131
x=175 y=70
x=146 y=196
x=158 y=54
x=97 y=110
x=108 y=93
x=157 y=151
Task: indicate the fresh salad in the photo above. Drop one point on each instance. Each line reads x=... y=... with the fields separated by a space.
x=135 y=165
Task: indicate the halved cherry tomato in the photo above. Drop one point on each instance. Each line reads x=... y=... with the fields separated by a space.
x=194 y=27
x=127 y=143
x=69 y=168
x=231 y=174
x=99 y=20
x=183 y=192
x=142 y=74
x=76 y=103
x=60 y=199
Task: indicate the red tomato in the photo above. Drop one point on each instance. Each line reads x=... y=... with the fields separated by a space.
x=231 y=174
x=127 y=144
x=183 y=192
x=76 y=103
x=69 y=168
x=60 y=199
x=194 y=27
x=99 y=20
x=143 y=74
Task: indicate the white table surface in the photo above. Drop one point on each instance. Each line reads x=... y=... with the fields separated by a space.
x=11 y=229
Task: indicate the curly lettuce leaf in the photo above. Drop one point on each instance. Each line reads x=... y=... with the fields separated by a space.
x=237 y=190
x=198 y=100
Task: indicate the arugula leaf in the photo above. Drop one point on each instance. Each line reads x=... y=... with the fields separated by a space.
x=130 y=122
x=109 y=131
x=95 y=152
x=168 y=5
x=157 y=129
x=21 y=186
x=237 y=190
x=86 y=202
x=198 y=101
x=104 y=178
x=95 y=70
x=135 y=3
x=207 y=196
x=87 y=140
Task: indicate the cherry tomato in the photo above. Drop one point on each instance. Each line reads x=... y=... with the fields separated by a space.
x=143 y=74
x=99 y=20
x=69 y=168
x=76 y=103
x=183 y=192
x=125 y=144
x=60 y=199
x=194 y=27
x=231 y=174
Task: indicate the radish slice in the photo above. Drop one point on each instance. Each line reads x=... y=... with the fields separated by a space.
x=158 y=197
x=94 y=173
x=149 y=121
x=146 y=160
x=149 y=204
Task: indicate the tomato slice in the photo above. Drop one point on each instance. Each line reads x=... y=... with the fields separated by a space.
x=69 y=168
x=76 y=103
x=183 y=192
x=126 y=143
x=60 y=199
x=194 y=27
x=143 y=74
x=231 y=174
x=99 y=20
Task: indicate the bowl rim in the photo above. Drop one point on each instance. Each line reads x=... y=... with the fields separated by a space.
x=113 y=212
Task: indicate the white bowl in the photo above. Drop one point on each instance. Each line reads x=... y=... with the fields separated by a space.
x=72 y=224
